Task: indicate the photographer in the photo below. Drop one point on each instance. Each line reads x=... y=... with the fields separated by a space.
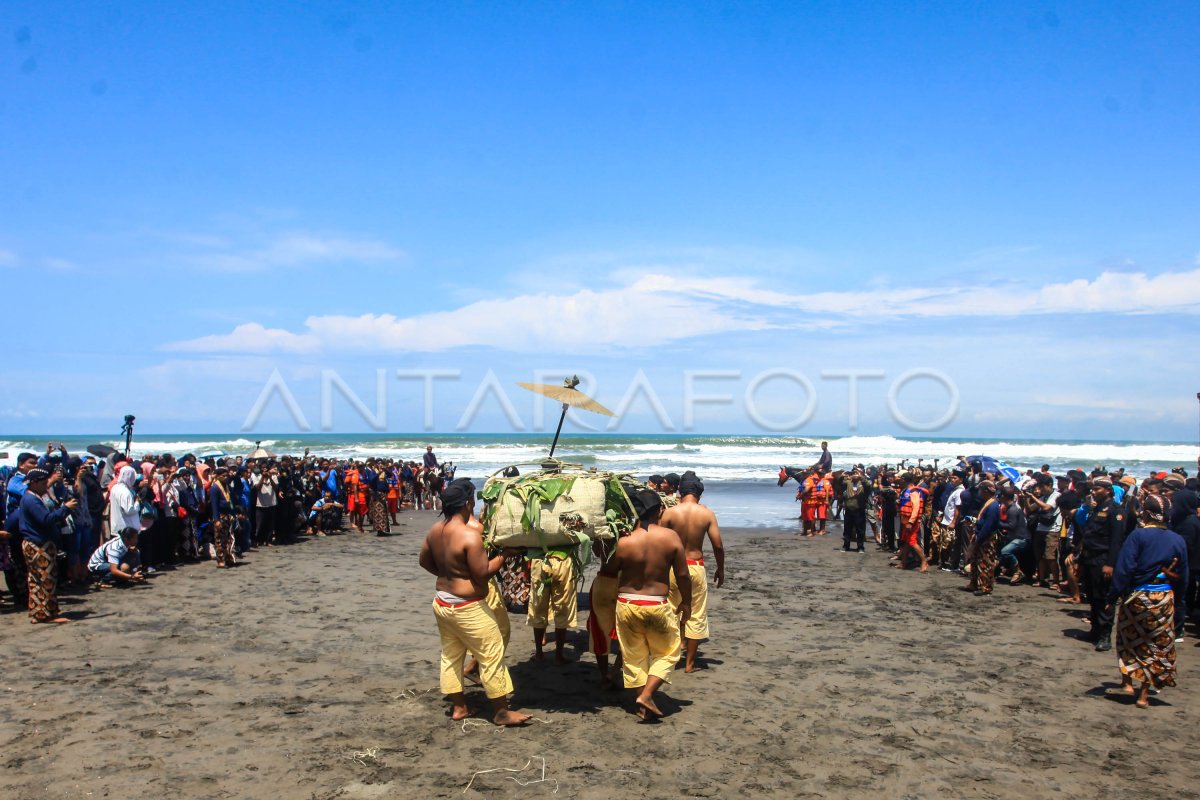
x=1045 y=523
x=265 y=481
x=41 y=524
x=117 y=560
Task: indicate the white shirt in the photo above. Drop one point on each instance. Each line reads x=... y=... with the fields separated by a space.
x=953 y=503
x=123 y=510
x=111 y=552
x=266 y=490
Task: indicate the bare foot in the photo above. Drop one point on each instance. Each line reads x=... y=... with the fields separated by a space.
x=458 y=713
x=538 y=656
x=648 y=709
x=1074 y=600
x=689 y=667
x=924 y=568
x=56 y=620
x=510 y=718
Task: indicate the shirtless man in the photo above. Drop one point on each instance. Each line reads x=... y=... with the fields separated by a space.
x=493 y=600
x=692 y=521
x=454 y=553
x=647 y=627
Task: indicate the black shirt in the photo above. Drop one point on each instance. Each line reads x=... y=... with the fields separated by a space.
x=1103 y=534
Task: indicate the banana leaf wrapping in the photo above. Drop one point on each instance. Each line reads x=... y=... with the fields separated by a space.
x=561 y=507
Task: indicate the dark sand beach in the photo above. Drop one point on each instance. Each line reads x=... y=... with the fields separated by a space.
x=311 y=672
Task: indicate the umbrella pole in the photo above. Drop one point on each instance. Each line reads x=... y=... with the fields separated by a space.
x=558 y=430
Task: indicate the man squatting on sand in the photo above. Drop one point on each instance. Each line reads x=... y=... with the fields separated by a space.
x=692 y=522
x=453 y=551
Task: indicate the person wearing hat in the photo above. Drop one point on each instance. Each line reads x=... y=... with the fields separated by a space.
x=41 y=522
x=647 y=625
x=1101 y=540
x=694 y=522
x=453 y=551
x=1150 y=571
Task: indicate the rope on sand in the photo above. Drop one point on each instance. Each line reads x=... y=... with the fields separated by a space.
x=478 y=722
x=410 y=694
x=362 y=756
x=516 y=780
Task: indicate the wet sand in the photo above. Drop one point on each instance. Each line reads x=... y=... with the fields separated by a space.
x=311 y=672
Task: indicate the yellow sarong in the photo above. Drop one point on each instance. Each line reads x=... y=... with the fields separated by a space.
x=554 y=600
x=496 y=603
x=697 y=624
x=472 y=628
x=649 y=639
x=602 y=618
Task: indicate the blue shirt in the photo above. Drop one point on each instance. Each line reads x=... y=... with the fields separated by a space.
x=16 y=490
x=217 y=502
x=39 y=524
x=988 y=522
x=1144 y=554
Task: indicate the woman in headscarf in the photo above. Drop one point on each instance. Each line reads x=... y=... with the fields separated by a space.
x=1151 y=567
x=123 y=510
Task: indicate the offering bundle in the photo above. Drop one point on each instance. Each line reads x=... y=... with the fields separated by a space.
x=560 y=504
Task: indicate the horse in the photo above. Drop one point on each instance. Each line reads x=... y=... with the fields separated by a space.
x=797 y=474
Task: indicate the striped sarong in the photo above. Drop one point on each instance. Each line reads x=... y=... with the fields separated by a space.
x=1146 y=637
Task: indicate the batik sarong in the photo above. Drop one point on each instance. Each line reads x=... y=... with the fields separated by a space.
x=514 y=582
x=43 y=580
x=941 y=540
x=1146 y=637
x=966 y=535
x=985 y=567
x=187 y=538
x=379 y=513
x=223 y=539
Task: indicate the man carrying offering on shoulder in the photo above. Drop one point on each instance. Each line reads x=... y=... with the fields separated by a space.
x=647 y=626
x=692 y=521
x=453 y=552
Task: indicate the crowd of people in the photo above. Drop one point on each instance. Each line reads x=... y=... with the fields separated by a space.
x=94 y=521
x=1129 y=548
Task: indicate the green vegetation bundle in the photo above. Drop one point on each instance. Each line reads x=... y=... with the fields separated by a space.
x=566 y=505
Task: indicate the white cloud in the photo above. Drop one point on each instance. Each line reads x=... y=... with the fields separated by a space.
x=249 y=338
x=8 y=258
x=586 y=320
x=284 y=250
x=657 y=309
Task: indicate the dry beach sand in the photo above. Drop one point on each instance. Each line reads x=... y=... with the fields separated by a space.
x=310 y=672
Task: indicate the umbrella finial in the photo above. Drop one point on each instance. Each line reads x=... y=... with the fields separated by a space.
x=571 y=382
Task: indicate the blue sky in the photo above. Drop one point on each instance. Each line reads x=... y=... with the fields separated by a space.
x=198 y=195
